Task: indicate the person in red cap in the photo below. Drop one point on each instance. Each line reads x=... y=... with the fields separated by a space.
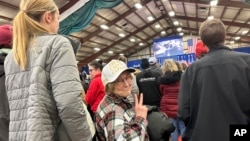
x=201 y=49
x=5 y=46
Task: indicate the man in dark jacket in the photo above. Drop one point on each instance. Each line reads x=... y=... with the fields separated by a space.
x=5 y=45
x=215 y=91
x=148 y=83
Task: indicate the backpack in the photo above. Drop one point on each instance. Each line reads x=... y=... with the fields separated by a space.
x=159 y=125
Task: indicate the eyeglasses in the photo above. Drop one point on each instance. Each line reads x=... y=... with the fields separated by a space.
x=121 y=81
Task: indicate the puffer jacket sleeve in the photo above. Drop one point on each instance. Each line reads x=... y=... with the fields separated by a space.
x=67 y=90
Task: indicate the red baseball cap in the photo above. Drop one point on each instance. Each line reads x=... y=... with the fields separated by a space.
x=200 y=48
x=6 y=35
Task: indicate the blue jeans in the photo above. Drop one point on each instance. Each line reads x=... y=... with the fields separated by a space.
x=179 y=128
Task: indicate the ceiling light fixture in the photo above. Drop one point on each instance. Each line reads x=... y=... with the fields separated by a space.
x=231 y=42
x=132 y=40
x=213 y=2
x=176 y=23
x=122 y=35
x=179 y=29
x=141 y=44
x=244 y=32
x=97 y=49
x=103 y=26
x=210 y=17
x=163 y=32
x=181 y=34
x=150 y=18
x=171 y=13
x=237 y=38
x=110 y=52
x=157 y=26
x=121 y=54
x=138 y=6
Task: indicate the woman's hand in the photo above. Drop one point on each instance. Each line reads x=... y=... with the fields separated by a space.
x=140 y=109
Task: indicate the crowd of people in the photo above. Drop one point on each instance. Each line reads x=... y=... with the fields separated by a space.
x=42 y=93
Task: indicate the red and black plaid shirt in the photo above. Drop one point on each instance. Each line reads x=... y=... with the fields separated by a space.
x=115 y=120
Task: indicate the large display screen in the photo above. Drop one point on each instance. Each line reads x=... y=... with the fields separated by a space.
x=168 y=46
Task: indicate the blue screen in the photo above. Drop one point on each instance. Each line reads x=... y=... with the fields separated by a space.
x=168 y=46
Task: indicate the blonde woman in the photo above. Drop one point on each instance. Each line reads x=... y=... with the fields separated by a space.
x=42 y=80
x=169 y=87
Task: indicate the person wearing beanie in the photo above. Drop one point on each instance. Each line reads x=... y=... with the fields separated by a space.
x=5 y=47
x=148 y=83
x=154 y=65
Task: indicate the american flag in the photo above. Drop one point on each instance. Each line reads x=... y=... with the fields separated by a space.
x=191 y=44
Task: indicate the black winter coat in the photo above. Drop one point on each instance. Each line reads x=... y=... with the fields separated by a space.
x=148 y=84
x=214 y=94
x=4 y=105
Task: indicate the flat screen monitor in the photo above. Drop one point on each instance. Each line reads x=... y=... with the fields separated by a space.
x=168 y=46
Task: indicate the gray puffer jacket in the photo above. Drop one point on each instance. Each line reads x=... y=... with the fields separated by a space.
x=45 y=101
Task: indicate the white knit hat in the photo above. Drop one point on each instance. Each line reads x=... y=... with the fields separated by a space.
x=113 y=70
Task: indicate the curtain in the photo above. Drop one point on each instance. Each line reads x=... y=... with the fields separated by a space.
x=83 y=16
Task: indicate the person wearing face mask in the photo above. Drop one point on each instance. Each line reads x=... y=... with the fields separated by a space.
x=42 y=79
x=116 y=117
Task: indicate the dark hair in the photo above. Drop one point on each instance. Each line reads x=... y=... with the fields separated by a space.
x=96 y=65
x=144 y=63
x=83 y=75
x=100 y=61
x=212 y=33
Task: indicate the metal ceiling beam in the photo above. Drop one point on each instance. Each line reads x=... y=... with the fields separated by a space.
x=228 y=23
x=5 y=18
x=67 y=6
x=132 y=10
x=226 y=3
x=61 y=10
x=243 y=39
x=133 y=47
x=129 y=22
x=95 y=55
x=149 y=38
x=9 y=5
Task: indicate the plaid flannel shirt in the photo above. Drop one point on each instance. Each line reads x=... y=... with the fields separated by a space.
x=115 y=120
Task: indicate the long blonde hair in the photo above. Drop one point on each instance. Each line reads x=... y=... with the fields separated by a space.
x=26 y=26
x=169 y=66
